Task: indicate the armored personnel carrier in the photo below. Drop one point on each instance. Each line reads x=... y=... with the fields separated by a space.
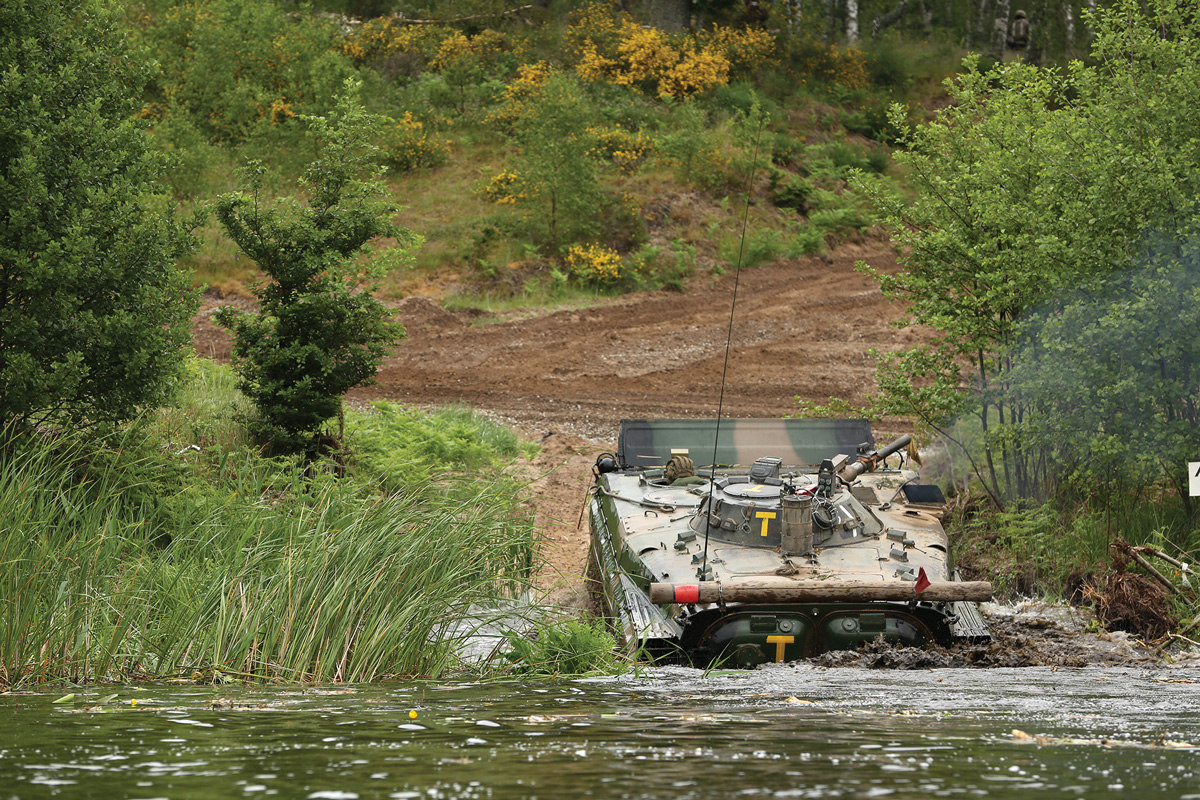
x=752 y=541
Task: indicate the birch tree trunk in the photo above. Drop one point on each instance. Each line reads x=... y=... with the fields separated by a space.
x=1069 y=25
x=981 y=17
x=926 y=13
x=890 y=18
x=794 y=14
x=999 y=30
x=852 y=22
x=1039 y=32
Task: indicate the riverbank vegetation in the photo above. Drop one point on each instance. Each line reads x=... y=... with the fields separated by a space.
x=173 y=549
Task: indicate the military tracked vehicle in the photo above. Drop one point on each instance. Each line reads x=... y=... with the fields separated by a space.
x=753 y=541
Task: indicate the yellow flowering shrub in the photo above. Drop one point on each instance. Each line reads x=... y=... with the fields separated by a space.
x=598 y=265
x=626 y=149
x=746 y=49
x=529 y=79
x=504 y=189
x=239 y=79
x=644 y=56
x=594 y=26
x=407 y=145
x=458 y=50
x=280 y=111
x=844 y=66
x=695 y=73
x=385 y=36
x=611 y=48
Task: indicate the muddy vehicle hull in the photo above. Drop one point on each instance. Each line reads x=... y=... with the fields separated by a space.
x=795 y=537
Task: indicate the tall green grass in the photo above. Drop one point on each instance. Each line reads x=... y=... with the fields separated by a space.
x=128 y=558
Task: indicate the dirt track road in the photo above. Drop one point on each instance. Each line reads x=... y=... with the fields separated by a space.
x=567 y=377
x=800 y=328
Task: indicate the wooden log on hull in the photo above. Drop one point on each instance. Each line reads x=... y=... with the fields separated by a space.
x=832 y=591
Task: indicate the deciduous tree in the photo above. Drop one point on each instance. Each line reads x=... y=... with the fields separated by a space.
x=1054 y=233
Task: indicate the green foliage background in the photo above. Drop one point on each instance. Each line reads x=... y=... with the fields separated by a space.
x=1052 y=244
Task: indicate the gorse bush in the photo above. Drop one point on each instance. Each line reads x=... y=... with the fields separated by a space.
x=613 y=48
x=382 y=37
x=407 y=144
x=627 y=150
x=517 y=93
x=597 y=265
x=831 y=63
x=242 y=69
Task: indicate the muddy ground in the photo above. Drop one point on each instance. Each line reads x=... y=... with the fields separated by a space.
x=1032 y=634
x=566 y=377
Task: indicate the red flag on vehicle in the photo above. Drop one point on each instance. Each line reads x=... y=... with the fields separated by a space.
x=923 y=581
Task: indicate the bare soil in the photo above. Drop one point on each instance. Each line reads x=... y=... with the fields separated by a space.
x=566 y=377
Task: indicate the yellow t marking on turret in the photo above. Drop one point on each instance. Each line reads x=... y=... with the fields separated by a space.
x=780 y=642
x=765 y=516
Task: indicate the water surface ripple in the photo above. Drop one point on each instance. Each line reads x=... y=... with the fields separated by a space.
x=786 y=732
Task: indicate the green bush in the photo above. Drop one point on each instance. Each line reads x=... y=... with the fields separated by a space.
x=889 y=65
x=243 y=68
x=734 y=98
x=838 y=158
x=560 y=193
x=872 y=119
x=571 y=647
x=693 y=148
x=765 y=245
x=791 y=191
x=408 y=143
x=95 y=317
x=662 y=270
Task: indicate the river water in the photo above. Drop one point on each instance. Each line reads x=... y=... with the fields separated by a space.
x=784 y=731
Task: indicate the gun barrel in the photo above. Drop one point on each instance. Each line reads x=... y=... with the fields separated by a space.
x=869 y=462
x=895 y=446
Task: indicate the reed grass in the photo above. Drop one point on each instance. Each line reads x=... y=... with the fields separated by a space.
x=123 y=559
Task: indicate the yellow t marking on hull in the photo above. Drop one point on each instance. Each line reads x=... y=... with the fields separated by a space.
x=780 y=642
x=765 y=516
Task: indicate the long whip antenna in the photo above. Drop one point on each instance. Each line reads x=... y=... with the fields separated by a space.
x=702 y=572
